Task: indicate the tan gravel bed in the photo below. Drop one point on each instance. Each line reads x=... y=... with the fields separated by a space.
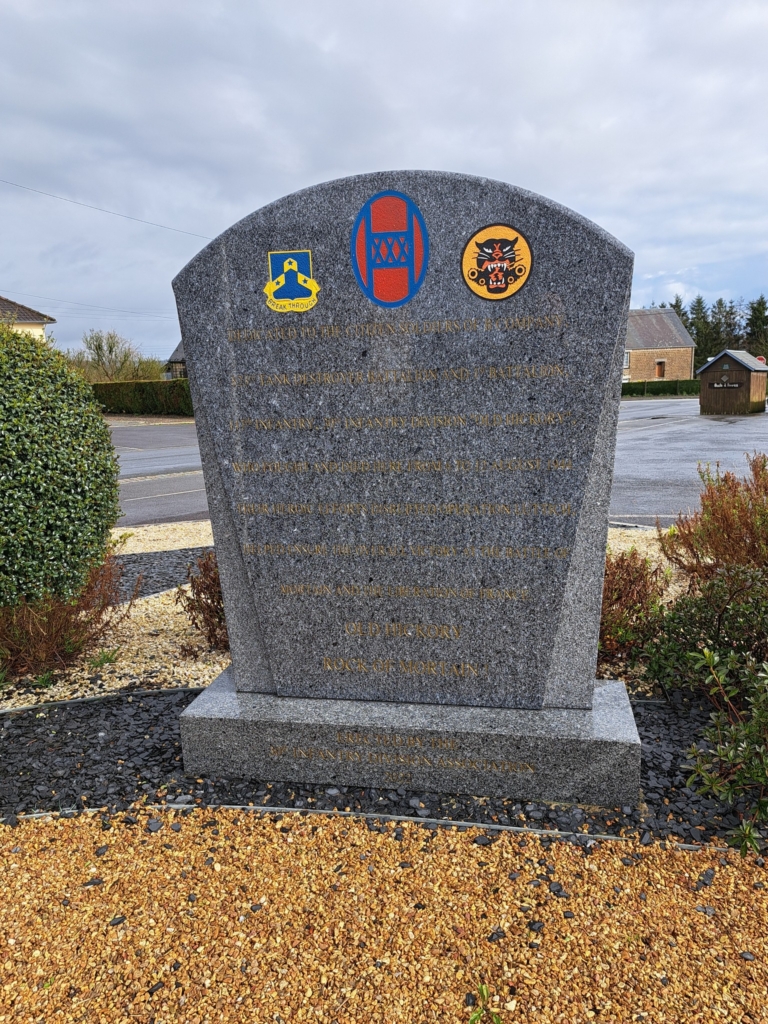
x=645 y=541
x=163 y=537
x=172 y=536
x=147 y=651
x=148 y=647
x=227 y=916
x=137 y=420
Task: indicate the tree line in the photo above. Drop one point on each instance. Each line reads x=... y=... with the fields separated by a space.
x=107 y=356
x=724 y=324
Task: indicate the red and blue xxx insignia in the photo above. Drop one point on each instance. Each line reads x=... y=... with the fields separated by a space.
x=390 y=249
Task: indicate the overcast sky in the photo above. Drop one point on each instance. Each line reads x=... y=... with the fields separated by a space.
x=648 y=117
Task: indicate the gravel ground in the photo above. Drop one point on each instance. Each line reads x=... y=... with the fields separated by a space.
x=144 y=654
x=188 y=540
x=159 y=570
x=164 y=537
x=239 y=917
x=168 y=915
x=115 y=751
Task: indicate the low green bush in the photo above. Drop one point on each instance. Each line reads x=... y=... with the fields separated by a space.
x=730 y=763
x=58 y=475
x=714 y=636
x=146 y=397
x=727 y=614
x=660 y=387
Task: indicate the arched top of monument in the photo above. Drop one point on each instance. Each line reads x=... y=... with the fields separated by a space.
x=449 y=201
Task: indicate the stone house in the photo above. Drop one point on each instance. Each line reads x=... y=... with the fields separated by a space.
x=22 y=318
x=658 y=347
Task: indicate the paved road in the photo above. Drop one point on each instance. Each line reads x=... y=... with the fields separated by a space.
x=659 y=445
x=660 y=442
x=160 y=476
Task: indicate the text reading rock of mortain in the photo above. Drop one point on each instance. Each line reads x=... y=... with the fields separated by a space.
x=408 y=384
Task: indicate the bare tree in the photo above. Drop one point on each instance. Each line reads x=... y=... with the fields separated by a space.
x=110 y=354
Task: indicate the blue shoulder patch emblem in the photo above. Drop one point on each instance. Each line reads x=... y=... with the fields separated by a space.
x=291 y=287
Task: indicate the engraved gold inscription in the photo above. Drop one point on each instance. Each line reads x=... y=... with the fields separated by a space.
x=514 y=464
x=404 y=591
x=378 y=329
x=431 y=551
x=415 y=508
x=410 y=751
x=409 y=668
x=415 y=421
x=415 y=375
x=413 y=630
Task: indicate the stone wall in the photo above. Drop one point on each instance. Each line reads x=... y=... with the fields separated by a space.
x=642 y=364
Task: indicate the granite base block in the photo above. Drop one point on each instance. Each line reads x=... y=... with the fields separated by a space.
x=554 y=755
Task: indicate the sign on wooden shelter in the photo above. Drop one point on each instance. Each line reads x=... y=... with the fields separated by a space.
x=732 y=383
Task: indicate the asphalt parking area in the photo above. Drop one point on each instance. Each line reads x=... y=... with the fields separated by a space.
x=660 y=443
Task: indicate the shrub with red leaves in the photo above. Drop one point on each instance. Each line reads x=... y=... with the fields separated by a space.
x=632 y=593
x=204 y=605
x=51 y=633
x=730 y=530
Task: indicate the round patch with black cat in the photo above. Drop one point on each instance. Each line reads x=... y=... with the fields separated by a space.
x=496 y=261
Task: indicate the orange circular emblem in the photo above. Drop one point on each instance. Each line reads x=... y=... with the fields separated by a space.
x=496 y=262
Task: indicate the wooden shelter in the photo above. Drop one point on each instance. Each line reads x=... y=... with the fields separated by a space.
x=732 y=383
x=177 y=364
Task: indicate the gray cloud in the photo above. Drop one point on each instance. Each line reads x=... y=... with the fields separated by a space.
x=647 y=117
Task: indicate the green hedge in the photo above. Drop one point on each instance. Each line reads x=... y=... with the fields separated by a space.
x=147 y=397
x=58 y=475
x=661 y=387
x=172 y=398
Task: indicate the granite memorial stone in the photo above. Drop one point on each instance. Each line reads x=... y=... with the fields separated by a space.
x=406 y=388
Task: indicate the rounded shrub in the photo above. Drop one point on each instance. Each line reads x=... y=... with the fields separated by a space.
x=58 y=474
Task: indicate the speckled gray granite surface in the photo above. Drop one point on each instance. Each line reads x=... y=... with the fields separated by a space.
x=410 y=502
x=555 y=754
x=444 y=463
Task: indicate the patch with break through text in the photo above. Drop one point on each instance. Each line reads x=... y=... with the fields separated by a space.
x=291 y=287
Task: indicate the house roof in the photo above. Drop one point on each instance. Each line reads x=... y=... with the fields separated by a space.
x=14 y=311
x=656 y=328
x=177 y=356
x=738 y=356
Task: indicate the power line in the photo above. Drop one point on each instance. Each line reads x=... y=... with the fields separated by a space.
x=91 y=305
x=96 y=317
x=102 y=210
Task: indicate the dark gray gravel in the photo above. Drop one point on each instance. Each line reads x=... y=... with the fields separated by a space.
x=114 y=751
x=159 y=570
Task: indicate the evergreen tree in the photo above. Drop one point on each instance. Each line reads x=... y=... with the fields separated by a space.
x=726 y=322
x=756 y=327
x=700 y=327
x=682 y=312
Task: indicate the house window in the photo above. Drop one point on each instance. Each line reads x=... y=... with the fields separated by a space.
x=626 y=359
x=661 y=367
